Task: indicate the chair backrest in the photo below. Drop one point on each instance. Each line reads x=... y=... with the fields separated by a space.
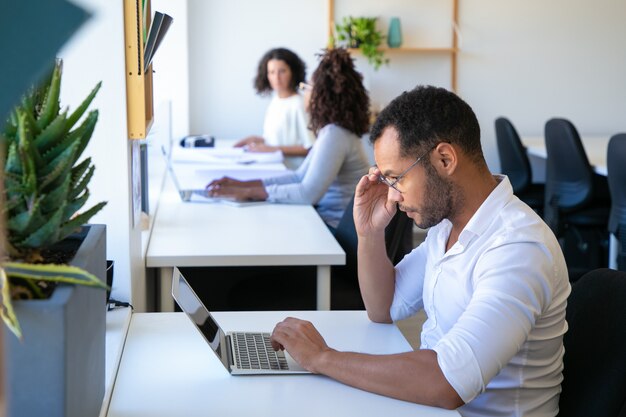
x=514 y=161
x=616 y=168
x=594 y=381
x=569 y=176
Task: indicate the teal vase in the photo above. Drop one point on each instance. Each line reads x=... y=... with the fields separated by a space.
x=394 y=37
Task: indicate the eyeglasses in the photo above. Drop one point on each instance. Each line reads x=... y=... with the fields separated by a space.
x=393 y=181
x=304 y=87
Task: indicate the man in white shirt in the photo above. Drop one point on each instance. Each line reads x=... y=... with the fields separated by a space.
x=490 y=275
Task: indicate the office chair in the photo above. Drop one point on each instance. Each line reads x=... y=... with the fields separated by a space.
x=616 y=167
x=514 y=164
x=345 y=293
x=577 y=201
x=594 y=381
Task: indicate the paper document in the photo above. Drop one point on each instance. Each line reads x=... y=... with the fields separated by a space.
x=205 y=176
x=224 y=156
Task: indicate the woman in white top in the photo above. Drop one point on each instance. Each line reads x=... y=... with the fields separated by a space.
x=286 y=123
x=339 y=108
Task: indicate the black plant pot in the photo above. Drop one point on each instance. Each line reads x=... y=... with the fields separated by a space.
x=59 y=368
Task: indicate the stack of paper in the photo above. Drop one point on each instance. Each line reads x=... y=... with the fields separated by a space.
x=224 y=156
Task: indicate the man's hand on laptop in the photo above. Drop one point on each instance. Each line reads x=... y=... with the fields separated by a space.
x=303 y=342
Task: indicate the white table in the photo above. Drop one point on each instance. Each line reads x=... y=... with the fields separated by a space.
x=595 y=147
x=197 y=234
x=118 y=321
x=167 y=369
x=596 y=150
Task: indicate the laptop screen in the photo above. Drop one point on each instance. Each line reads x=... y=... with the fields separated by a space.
x=189 y=302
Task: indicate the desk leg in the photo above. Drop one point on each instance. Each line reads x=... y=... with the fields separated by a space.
x=613 y=251
x=323 y=287
x=166 y=302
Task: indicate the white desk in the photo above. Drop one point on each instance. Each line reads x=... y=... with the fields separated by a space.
x=595 y=147
x=168 y=370
x=196 y=234
x=118 y=321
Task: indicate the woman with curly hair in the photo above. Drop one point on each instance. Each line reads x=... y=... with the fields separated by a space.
x=339 y=110
x=285 y=128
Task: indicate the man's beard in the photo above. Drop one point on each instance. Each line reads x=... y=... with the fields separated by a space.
x=438 y=200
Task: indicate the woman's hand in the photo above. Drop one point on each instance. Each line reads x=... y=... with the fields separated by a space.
x=237 y=190
x=247 y=141
x=260 y=147
x=372 y=209
x=225 y=182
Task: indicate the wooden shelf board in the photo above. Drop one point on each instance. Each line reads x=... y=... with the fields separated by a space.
x=403 y=49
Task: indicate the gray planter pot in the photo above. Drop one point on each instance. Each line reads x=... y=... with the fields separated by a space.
x=58 y=369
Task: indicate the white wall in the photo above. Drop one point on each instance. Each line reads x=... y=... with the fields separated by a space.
x=535 y=60
x=171 y=66
x=226 y=41
x=96 y=52
x=529 y=60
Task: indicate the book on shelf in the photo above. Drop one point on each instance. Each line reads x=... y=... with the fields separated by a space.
x=159 y=27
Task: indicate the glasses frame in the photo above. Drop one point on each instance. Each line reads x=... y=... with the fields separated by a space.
x=393 y=183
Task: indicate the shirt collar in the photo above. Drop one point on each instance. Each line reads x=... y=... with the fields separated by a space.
x=481 y=220
x=483 y=217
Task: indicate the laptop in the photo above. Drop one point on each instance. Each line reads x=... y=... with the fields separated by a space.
x=201 y=195
x=196 y=195
x=241 y=353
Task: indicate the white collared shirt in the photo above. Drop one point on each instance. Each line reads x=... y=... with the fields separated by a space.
x=495 y=306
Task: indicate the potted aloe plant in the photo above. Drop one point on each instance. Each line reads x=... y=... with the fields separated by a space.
x=55 y=362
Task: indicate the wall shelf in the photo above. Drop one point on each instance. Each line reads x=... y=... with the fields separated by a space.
x=403 y=49
x=453 y=50
x=139 y=101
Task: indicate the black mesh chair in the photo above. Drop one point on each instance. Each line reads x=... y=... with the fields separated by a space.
x=616 y=166
x=594 y=381
x=514 y=164
x=344 y=291
x=577 y=200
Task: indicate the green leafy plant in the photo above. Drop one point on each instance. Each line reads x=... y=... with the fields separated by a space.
x=361 y=32
x=44 y=188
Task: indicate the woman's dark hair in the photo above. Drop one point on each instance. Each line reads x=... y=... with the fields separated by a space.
x=426 y=116
x=338 y=95
x=297 y=66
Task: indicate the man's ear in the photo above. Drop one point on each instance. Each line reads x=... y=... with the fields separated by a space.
x=445 y=159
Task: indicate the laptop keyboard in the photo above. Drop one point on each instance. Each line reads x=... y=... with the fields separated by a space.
x=254 y=351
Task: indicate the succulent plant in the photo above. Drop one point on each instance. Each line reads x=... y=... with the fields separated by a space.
x=45 y=186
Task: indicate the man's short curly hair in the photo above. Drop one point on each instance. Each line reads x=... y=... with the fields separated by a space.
x=297 y=66
x=338 y=94
x=428 y=115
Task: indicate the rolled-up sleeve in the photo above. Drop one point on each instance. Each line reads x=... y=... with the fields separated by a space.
x=509 y=294
x=407 y=298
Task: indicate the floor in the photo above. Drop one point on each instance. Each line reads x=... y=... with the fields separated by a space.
x=412 y=326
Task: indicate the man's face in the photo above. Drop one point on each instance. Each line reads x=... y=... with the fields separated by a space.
x=421 y=192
